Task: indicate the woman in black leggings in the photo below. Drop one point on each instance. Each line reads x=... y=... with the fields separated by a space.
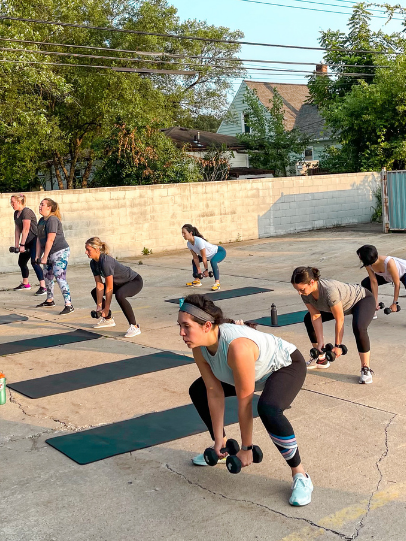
x=119 y=279
x=327 y=300
x=236 y=360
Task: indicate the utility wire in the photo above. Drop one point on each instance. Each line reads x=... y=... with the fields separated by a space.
x=326 y=4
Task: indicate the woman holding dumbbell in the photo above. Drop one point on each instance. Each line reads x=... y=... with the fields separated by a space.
x=119 y=279
x=202 y=252
x=327 y=300
x=25 y=243
x=236 y=360
x=382 y=269
x=53 y=252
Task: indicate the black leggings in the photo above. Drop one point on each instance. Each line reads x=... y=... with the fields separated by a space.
x=366 y=282
x=23 y=258
x=280 y=390
x=121 y=292
x=362 y=314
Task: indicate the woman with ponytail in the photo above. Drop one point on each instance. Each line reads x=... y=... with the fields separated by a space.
x=327 y=300
x=202 y=252
x=237 y=360
x=26 y=230
x=53 y=252
x=118 y=279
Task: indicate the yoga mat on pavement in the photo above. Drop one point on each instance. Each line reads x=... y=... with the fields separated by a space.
x=11 y=318
x=99 y=374
x=145 y=431
x=283 y=319
x=221 y=295
x=19 y=346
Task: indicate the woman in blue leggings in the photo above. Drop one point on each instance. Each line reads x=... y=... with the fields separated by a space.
x=202 y=252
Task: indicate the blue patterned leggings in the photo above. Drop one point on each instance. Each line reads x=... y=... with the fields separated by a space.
x=56 y=269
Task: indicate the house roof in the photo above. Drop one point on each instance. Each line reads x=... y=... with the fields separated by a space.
x=298 y=113
x=189 y=136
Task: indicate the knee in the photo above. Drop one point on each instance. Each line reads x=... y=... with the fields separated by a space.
x=307 y=320
x=196 y=389
x=366 y=283
x=268 y=411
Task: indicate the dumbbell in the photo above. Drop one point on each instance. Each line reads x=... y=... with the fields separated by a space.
x=381 y=305
x=14 y=250
x=234 y=465
x=388 y=310
x=314 y=353
x=201 y=276
x=96 y=314
x=330 y=355
x=210 y=455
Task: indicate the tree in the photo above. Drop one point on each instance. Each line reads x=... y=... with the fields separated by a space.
x=270 y=145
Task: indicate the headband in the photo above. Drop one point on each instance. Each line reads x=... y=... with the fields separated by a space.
x=196 y=311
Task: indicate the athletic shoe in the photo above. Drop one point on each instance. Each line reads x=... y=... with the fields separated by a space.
x=46 y=303
x=67 y=310
x=195 y=283
x=22 y=287
x=317 y=363
x=302 y=488
x=216 y=287
x=134 y=330
x=200 y=461
x=375 y=316
x=103 y=322
x=366 y=375
x=41 y=291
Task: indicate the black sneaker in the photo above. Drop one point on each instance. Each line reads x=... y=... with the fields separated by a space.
x=41 y=291
x=67 y=310
x=22 y=287
x=46 y=303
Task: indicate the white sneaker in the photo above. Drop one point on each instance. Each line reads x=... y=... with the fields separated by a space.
x=103 y=322
x=317 y=363
x=199 y=460
x=366 y=375
x=302 y=488
x=375 y=316
x=134 y=330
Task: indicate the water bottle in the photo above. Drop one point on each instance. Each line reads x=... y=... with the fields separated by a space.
x=274 y=315
x=181 y=301
x=3 y=397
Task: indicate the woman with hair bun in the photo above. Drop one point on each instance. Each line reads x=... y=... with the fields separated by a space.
x=53 y=252
x=118 y=279
x=202 y=252
x=237 y=360
x=26 y=230
x=327 y=300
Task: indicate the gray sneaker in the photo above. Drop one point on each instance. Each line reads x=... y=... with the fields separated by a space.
x=366 y=375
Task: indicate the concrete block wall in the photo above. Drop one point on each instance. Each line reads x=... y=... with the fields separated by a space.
x=129 y=218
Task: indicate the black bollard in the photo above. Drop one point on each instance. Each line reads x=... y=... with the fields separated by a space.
x=274 y=315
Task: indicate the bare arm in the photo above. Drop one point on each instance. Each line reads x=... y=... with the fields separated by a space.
x=196 y=260
x=48 y=246
x=25 y=233
x=109 y=294
x=17 y=234
x=204 y=258
x=99 y=293
x=393 y=270
x=338 y=313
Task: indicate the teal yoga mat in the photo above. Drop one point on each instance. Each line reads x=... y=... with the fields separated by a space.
x=221 y=295
x=11 y=318
x=283 y=319
x=99 y=374
x=145 y=431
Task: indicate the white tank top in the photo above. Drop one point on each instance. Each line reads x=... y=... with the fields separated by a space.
x=400 y=265
x=274 y=353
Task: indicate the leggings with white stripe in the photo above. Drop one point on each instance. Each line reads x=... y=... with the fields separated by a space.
x=280 y=390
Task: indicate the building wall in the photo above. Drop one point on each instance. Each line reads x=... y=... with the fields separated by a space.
x=240 y=159
x=134 y=217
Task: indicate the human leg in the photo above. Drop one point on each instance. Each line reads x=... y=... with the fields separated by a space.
x=32 y=249
x=366 y=282
x=128 y=290
x=22 y=263
x=59 y=261
x=362 y=314
x=217 y=258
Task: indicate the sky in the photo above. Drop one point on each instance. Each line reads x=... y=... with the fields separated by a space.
x=266 y=23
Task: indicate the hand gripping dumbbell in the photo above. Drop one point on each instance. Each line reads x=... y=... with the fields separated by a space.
x=96 y=314
x=234 y=464
x=200 y=275
x=330 y=355
x=211 y=457
x=315 y=353
x=388 y=310
x=14 y=250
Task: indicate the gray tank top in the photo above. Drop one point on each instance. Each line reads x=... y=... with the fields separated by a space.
x=274 y=353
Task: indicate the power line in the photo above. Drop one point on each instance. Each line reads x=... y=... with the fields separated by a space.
x=325 y=4
x=194 y=38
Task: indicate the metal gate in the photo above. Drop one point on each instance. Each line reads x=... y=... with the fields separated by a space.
x=393 y=200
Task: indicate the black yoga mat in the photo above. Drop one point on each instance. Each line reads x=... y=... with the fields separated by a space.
x=11 y=318
x=19 y=346
x=145 y=431
x=283 y=319
x=221 y=295
x=99 y=374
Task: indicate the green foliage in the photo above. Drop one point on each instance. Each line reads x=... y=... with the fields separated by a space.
x=215 y=164
x=145 y=251
x=270 y=145
x=377 y=210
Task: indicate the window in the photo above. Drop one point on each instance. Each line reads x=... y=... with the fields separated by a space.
x=308 y=154
x=247 y=127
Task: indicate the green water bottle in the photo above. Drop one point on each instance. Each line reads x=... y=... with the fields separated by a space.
x=3 y=398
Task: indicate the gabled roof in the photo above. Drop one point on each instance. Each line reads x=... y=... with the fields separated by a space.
x=189 y=136
x=298 y=113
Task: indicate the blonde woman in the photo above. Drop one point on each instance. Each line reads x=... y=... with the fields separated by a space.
x=53 y=251
x=118 y=279
x=25 y=243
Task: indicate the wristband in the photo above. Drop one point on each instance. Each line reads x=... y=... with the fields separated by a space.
x=247 y=447
x=22 y=244
x=338 y=346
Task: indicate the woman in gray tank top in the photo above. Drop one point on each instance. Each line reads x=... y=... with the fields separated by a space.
x=236 y=360
x=330 y=299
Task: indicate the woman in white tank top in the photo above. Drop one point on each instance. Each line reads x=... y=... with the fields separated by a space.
x=236 y=360
x=382 y=269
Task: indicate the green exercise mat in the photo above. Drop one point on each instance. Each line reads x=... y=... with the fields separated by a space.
x=221 y=295
x=19 y=346
x=11 y=318
x=283 y=319
x=145 y=431
x=99 y=374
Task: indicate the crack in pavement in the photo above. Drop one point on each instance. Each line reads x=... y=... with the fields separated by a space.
x=385 y=453
x=349 y=401
x=260 y=505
